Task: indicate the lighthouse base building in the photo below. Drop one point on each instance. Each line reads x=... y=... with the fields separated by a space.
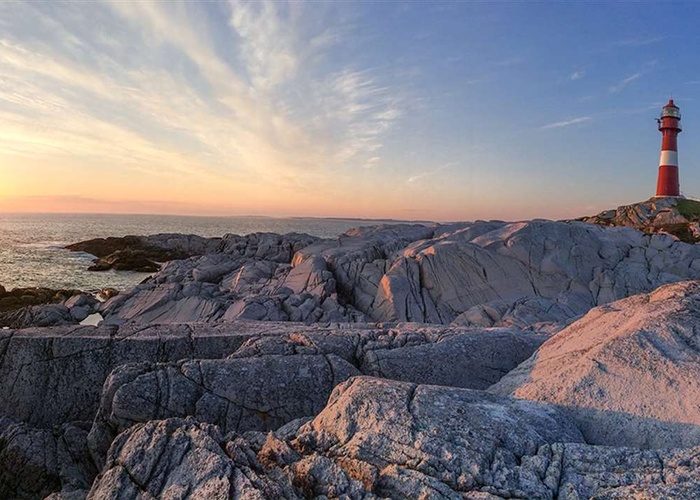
x=668 y=183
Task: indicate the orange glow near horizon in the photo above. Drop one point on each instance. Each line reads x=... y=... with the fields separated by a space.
x=69 y=186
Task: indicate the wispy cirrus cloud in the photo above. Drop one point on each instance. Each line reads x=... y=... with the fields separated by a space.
x=624 y=82
x=238 y=90
x=639 y=41
x=430 y=172
x=566 y=123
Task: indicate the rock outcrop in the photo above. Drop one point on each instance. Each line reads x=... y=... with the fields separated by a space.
x=628 y=372
x=275 y=373
x=537 y=274
x=18 y=298
x=160 y=246
x=383 y=439
x=677 y=216
x=56 y=375
x=37 y=307
x=375 y=438
x=242 y=394
x=144 y=253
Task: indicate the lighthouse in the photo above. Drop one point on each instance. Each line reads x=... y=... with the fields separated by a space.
x=669 y=126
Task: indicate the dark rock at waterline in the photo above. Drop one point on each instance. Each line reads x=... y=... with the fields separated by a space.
x=132 y=253
x=159 y=247
x=23 y=297
x=104 y=247
x=41 y=315
x=126 y=260
x=26 y=307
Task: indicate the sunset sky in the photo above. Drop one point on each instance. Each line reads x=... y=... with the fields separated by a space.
x=420 y=110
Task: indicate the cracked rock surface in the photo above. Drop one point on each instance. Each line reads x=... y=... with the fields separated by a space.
x=181 y=459
x=537 y=274
x=51 y=376
x=388 y=439
x=236 y=394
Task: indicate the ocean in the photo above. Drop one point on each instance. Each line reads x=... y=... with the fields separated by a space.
x=32 y=253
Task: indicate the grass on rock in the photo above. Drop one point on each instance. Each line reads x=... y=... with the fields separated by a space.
x=690 y=209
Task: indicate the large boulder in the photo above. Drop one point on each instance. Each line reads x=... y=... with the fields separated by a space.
x=628 y=372
x=402 y=440
x=405 y=441
x=239 y=394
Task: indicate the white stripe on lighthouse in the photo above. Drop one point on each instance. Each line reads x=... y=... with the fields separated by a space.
x=668 y=158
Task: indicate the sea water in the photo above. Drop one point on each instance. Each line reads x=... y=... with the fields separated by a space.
x=32 y=249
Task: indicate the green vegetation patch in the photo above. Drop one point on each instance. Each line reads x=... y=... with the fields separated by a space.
x=690 y=209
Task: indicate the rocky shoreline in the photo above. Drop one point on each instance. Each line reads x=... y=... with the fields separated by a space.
x=484 y=360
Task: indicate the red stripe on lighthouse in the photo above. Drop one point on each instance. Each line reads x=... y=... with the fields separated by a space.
x=669 y=142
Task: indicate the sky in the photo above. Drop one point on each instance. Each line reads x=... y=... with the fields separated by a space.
x=384 y=109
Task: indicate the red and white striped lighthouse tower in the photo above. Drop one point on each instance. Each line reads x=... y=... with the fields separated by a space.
x=667 y=183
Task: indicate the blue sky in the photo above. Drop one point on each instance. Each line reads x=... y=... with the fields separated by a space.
x=427 y=110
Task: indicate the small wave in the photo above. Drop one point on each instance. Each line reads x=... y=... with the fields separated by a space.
x=83 y=255
x=52 y=244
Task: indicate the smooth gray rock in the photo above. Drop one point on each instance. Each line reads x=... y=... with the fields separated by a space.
x=423 y=354
x=628 y=372
x=55 y=375
x=473 y=360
